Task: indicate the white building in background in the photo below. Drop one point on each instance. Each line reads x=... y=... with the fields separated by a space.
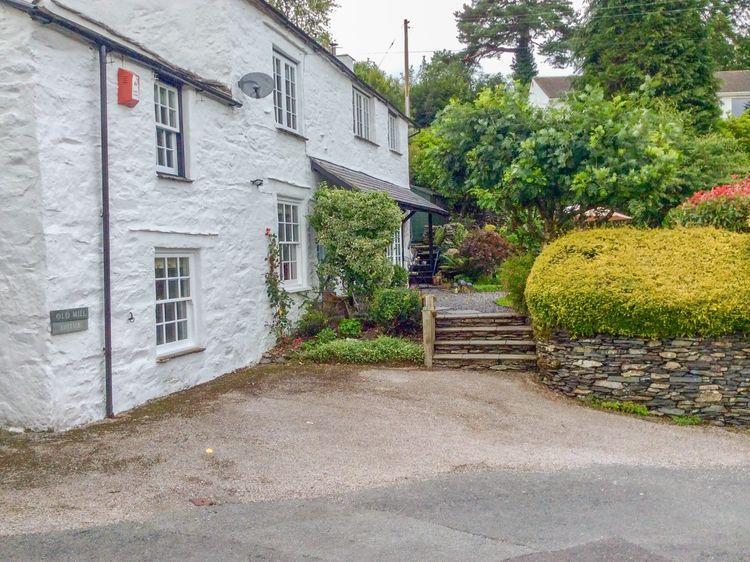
x=197 y=171
x=733 y=93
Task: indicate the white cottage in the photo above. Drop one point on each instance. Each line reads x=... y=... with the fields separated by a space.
x=137 y=185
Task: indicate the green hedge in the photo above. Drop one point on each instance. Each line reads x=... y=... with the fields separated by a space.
x=650 y=283
x=384 y=349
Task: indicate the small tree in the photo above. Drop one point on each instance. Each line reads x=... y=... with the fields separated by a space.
x=355 y=229
x=386 y=85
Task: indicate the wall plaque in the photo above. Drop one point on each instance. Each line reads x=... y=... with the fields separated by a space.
x=69 y=320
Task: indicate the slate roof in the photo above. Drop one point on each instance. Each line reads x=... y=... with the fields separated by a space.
x=352 y=179
x=554 y=86
x=731 y=81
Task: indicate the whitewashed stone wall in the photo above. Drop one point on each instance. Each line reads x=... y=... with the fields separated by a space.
x=50 y=207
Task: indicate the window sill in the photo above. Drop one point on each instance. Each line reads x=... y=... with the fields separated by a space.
x=292 y=133
x=368 y=141
x=170 y=177
x=174 y=355
x=397 y=152
x=297 y=289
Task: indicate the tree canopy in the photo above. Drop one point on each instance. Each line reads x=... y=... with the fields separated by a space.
x=621 y=43
x=312 y=16
x=386 y=85
x=491 y=28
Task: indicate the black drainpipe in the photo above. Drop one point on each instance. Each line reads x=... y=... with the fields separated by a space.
x=105 y=234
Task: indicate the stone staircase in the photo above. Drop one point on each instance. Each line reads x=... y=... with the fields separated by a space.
x=420 y=272
x=499 y=341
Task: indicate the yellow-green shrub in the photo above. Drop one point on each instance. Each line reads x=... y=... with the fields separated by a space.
x=650 y=283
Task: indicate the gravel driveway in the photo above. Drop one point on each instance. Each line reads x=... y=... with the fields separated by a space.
x=466 y=302
x=304 y=431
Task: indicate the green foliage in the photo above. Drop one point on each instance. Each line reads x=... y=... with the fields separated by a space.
x=384 y=349
x=624 y=407
x=311 y=322
x=350 y=328
x=644 y=283
x=488 y=288
x=279 y=300
x=397 y=311
x=387 y=86
x=437 y=82
x=514 y=272
x=665 y=41
x=687 y=420
x=726 y=206
x=504 y=301
x=312 y=16
x=738 y=128
x=483 y=251
x=729 y=41
x=400 y=277
x=326 y=335
x=355 y=229
x=490 y=29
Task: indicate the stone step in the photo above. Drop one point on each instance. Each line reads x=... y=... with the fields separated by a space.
x=486 y=343
x=480 y=347
x=495 y=357
x=480 y=320
x=483 y=332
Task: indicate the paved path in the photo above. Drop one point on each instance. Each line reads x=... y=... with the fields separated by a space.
x=599 y=514
x=348 y=463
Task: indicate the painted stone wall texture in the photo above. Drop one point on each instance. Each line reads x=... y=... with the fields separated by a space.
x=709 y=378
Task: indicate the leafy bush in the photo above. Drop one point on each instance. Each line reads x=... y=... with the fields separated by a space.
x=384 y=349
x=355 y=230
x=725 y=206
x=400 y=277
x=311 y=322
x=350 y=328
x=397 y=311
x=739 y=129
x=484 y=250
x=648 y=283
x=326 y=335
x=513 y=274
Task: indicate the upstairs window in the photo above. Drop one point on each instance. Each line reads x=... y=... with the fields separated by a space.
x=361 y=114
x=393 y=132
x=170 y=157
x=285 y=92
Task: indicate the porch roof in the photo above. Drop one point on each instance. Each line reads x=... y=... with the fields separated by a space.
x=352 y=179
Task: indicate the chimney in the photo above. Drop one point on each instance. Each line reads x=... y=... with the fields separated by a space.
x=348 y=60
x=334 y=48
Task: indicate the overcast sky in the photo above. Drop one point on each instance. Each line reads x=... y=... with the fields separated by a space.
x=367 y=29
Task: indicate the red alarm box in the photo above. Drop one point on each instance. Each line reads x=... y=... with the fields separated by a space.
x=128 y=88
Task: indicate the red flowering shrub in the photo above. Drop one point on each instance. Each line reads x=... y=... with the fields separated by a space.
x=724 y=206
x=484 y=251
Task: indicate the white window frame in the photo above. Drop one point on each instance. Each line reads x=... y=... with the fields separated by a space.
x=163 y=318
x=286 y=92
x=361 y=114
x=393 y=136
x=299 y=246
x=395 y=251
x=169 y=129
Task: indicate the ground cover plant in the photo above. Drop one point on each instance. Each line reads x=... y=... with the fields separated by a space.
x=350 y=328
x=384 y=349
x=650 y=283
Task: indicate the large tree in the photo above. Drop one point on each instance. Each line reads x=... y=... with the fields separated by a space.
x=491 y=28
x=386 y=85
x=312 y=16
x=729 y=33
x=620 y=43
x=446 y=76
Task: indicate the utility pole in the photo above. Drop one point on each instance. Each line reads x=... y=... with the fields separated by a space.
x=407 y=86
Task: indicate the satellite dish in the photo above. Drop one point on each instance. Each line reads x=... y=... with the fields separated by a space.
x=256 y=85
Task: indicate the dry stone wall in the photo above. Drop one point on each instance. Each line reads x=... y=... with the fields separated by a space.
x=709 y=378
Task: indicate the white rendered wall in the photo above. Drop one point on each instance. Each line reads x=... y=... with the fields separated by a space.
x=53 y=201
x=537 y=97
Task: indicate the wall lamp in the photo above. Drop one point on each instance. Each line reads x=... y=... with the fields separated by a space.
x=257 y=182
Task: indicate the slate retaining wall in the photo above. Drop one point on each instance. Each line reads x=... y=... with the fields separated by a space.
x=709 y=378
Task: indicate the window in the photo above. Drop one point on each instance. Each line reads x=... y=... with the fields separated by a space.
x=393 y=131
x=285 y=91
x=361 y=114
x=290 y=244
x=175 y=322
x=169 y=144
x=395 y=251
x=739 y=105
